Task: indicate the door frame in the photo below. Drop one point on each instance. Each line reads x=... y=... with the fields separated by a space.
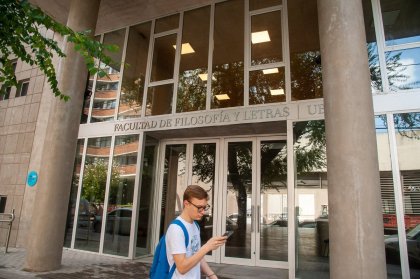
x=254 y=260
x=219 y=203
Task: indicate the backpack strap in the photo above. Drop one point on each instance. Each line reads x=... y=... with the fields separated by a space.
x=197 y=224
x=187 y=240
x=184 y=229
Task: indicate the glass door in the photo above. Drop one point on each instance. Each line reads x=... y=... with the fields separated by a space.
x=186 y=163
x=202 y=171
x=238 y=202
x=271 y=203
x=255 y=202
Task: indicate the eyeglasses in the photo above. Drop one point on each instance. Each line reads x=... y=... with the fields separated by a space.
x=201 y=208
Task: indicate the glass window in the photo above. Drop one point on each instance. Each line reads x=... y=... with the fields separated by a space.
x=372 y=47
x=163 y=58
x=193 y=71
x=132 y=88
x=86 y=100
x=258 y=4
x=401 y=21
x=120 y=201
x=6 y=94
x=403 y=69
x=407 y=130
x=3 y=200
x=167 y=23
x=266 y=38
x=107 y=87
x=22 y=89
x=228 y=55
x=88 y=93
x=73 y=193
x=267 y=86
x=92 y=196
x=305 y=55
x=159 y=100
x=311 y=200
x=388 y=197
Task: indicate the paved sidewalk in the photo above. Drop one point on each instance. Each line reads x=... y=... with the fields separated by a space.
x=82 y=265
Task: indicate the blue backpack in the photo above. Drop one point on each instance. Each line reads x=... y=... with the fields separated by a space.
x=160 y=267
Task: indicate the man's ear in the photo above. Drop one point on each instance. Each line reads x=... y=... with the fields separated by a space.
x=185 y=203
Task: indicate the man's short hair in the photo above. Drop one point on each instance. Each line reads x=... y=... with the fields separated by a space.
x=195 y=191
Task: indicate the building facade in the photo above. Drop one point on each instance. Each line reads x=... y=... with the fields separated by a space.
x=232 y=96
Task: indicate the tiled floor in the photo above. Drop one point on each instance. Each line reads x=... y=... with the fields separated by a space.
x=82 y=265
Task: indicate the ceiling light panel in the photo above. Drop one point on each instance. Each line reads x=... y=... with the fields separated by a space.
x=260 y=37
x=270 y=71
x=186 y=48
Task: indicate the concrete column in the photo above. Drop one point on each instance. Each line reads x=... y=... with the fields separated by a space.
x=355 y=214
x=46 y=236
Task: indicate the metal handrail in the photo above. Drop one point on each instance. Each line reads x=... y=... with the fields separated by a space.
x=7 y=218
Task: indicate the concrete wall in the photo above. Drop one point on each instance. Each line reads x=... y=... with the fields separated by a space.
x=18 y=117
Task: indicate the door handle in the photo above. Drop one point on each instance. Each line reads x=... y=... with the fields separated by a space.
x=252 y=219
x=258 y=218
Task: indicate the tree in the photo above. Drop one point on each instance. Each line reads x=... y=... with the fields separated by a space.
x=21 y=36
x=94 y=181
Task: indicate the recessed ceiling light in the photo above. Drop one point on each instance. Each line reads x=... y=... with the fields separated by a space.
x=203 y=77
x=186 y=48
x=222 y=97
x=260 y=37
x=275 y=92
x=270 y=71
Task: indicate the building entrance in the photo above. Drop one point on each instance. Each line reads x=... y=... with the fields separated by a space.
x=246 y=179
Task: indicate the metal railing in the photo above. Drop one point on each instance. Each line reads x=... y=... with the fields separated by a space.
x=7 y=218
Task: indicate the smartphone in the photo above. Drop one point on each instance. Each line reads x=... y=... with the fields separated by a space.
x=228 y=233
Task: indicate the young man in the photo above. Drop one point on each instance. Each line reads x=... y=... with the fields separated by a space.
x=190 y=260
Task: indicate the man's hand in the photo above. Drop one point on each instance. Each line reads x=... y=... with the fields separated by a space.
x=215 y=242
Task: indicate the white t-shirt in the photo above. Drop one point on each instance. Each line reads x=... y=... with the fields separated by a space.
x=175 y=244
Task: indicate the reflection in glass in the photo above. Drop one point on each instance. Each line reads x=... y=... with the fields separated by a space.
x=120 y=199
x=387 y=193
x=258 y=4
x=174 y=184
x=403 y=69
x=106 y=89
x=92 y=196
x=372 y=48
x=305 y=55
x=401 y=21
x=163 y=58
x=159 y=100
x=192 y=84
x=132 y=88
x=407 y=130
x=267 y=86
x=228 y=55
x=146 y=214
x=167 y=23
x=273 y=200
x=88 y=93
x=238 y=199
x=203 y=174
x=311 y=200
x=266 y=38
x=73 y=193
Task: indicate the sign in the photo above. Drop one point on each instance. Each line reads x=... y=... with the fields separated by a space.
x=32 y=178
x=208 y=119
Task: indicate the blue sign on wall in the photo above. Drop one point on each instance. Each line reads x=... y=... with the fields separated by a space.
x=32 y=178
